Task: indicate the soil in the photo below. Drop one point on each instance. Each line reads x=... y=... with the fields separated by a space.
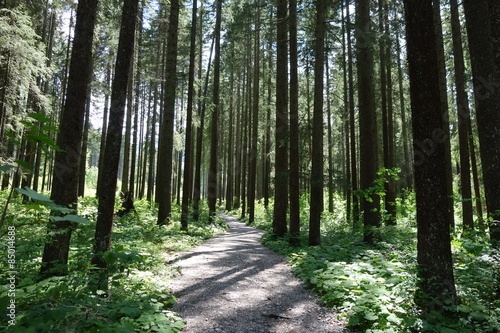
x=233 y=284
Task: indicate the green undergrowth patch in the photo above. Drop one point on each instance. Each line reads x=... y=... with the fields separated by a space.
x=372 y=287
x=138 y=298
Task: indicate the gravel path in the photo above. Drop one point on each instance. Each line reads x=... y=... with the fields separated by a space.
x=233 y=284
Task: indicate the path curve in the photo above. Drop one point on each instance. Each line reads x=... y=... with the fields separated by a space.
x=233 y=284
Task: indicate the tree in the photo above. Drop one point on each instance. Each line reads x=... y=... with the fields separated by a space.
x=213 y=168
x=69 y=139
x=294 y=178
x=487 y=100
x=165 y=153
x=281 y=133
x=463 y=114
x=316 y=205
x=111 y=158
x=188 y=172
x=436 y=286
x=252 y=177
x=370 y=204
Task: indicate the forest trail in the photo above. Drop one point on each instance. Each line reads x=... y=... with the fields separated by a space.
x=233 y=284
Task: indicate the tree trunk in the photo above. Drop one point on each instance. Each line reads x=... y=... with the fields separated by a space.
x=252 y=181
x=316 y=205
x=487 y=97
x=165 y=150
x=188 y=172
x=69 y=139
x=213 y=168
x=352 y=121
x=444 y=107
x=128 y=133
x=281 y=133
x=367 y=120
x=85 y=139
x=436 y=282
x=463 y=114
x=294 y=178
x=111 y=159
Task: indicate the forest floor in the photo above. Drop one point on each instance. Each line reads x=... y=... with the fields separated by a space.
x=233 y=284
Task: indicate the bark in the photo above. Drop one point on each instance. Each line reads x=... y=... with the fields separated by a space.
x=199 y=136
x=255 y=122
x=316 y=205
x=367 y=120
x=281 y=133
x=347 y=126
x=213 y=168
x=352 y=121
x=408 y=171
x=294 y=178
x=436 y=284
x=165 y=153
x=463 y=114
x=128 y=134
x=67 y=162
x=111 y=159
x=230 y=148
x=104 y=128
x=444 y=107
x=188 y=172
x=85 y=139
x=487 y=98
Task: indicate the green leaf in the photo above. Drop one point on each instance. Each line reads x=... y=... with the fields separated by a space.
x=71 y=218
x=371 y=316
x=5 y=168
x=40 y=117
x=24 y=164
x=34 y=195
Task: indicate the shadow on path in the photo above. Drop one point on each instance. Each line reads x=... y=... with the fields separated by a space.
x=233 y=284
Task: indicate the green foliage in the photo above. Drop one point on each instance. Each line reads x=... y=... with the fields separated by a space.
x=22 y=55
x=373 y=287
x=138 y=299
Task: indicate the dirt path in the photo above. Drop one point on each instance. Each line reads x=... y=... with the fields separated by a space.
x=233 y=284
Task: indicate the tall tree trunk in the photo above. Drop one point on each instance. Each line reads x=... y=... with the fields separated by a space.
x=463 y=114
x=69 y=139
x=111 y=159
x=199 y=132
x=165 y=153
x=128 y=132
x=85 y=139
x=408 y=172
x=352 y=121
x=444 y=106
x=267 y=165
x=188 y=172
x=252 y=181
x=436 y=281
x=294 y=179
x=487 y=97
x=367 y=120
x=137 y=88
x=281 y=133
x=316 y=205
x=104 y=129
x=213 y=168
x=230 y=148
x=391 y=185
x=347 y=124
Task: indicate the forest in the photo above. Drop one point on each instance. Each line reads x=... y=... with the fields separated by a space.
x=363 y=135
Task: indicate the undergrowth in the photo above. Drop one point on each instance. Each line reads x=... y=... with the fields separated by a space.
x=372 y=287
x=138 y=299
